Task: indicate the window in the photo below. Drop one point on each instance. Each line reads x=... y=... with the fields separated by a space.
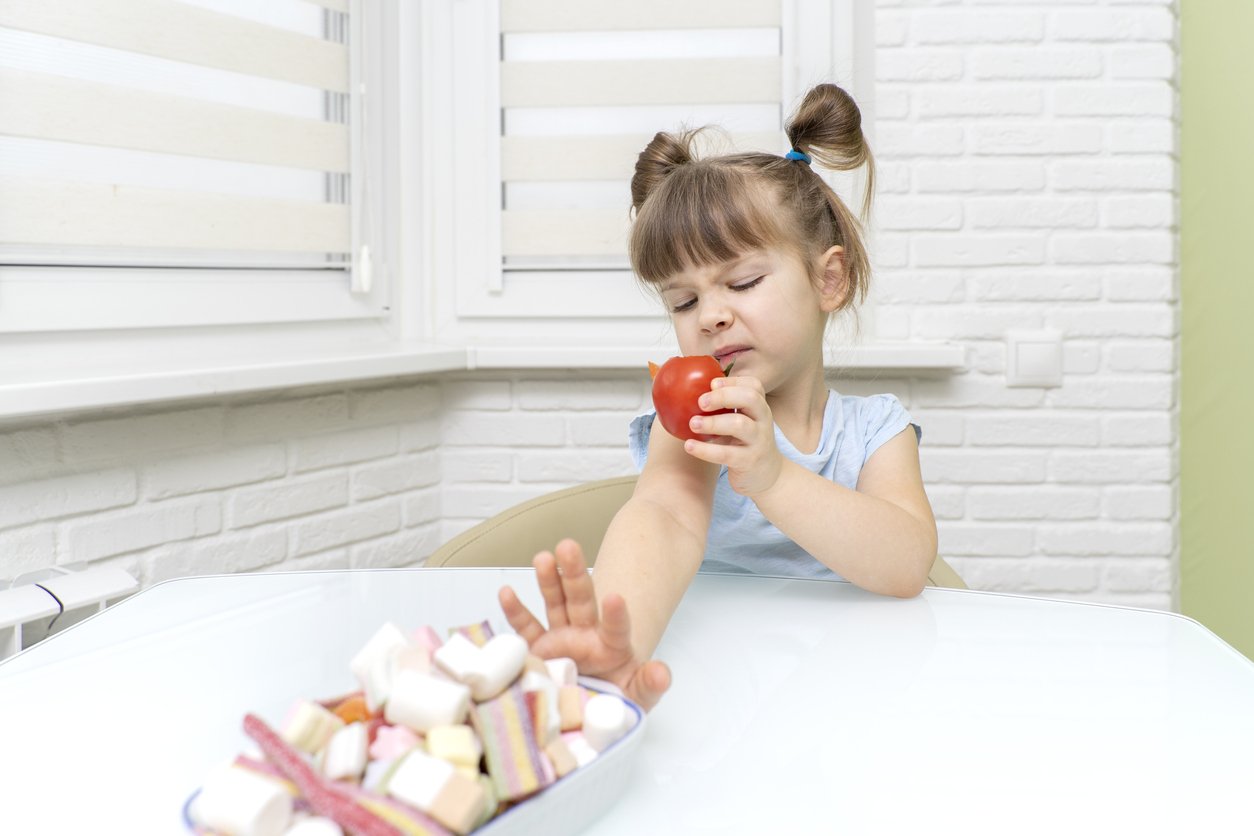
x=557 y=99
x=198 y=163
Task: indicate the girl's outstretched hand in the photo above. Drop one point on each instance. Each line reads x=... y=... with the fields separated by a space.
x=600 y=643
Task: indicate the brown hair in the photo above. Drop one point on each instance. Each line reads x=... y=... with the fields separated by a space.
x=693 y=212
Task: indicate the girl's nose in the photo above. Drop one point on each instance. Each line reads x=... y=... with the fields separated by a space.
x=715 y=317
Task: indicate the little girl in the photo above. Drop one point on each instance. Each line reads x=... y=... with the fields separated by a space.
x=751 y=254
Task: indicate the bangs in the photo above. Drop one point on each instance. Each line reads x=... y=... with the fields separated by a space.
x=702 y=215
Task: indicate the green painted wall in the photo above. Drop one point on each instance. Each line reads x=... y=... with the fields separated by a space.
x=1217 y=317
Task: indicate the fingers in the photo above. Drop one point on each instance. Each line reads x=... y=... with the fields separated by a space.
x=519 y=617
x=581 y=602
x=744 y=380
x=739 y=425
x=551 y=588
x=708 y=451
x=651 y=679
x=615 y=624
x=650 y=682
x=732 y=396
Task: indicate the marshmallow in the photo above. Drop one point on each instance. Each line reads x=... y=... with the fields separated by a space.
x=234 y=800
x=570 y=700
x=540 y=712
x=458 y=657
x=390 y=742
x=606 y=718
x=377 y=773
x=548 y=720
x=560 y=756
x=411 y=657
x=579 y=748
x=513 y=758
x=562 y=670
x=428 y=638
x=265 y=769
x=535 y=664
x=436 y=788
x=373 y=663
x=309 y=726
x=456 y=744
x=500 y=662
x=422 y=701
x=314 y=826
x=488 y=670
x=490 y=800
x=345 y=753
x=478 y=633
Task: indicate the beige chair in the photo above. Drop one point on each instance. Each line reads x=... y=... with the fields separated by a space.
x=583 y=512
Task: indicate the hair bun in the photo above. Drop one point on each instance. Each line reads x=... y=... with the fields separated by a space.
x=664 y=153
x=828 y=127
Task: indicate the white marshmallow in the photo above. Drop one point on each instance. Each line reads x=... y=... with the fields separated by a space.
x=562 y=670
x=458 y=657
x=438 y=789
x=345 y=755
x=606 y=718
x=309 y=726
x=314 y=826
x=421 y=701
x=235 y=800
x=376 y=773
x=373 y=663
x=500 y=662
x=579 y=748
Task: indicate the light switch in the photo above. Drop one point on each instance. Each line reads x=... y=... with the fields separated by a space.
x=1034 y=358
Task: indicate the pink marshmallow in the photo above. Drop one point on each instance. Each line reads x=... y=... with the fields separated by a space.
x=391 y=742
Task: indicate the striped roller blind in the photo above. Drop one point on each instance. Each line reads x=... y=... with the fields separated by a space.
x=586 y=83
x=166 y=133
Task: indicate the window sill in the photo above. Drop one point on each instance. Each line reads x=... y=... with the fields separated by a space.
x=150 y=381
x=853 y=361
x=38 y=391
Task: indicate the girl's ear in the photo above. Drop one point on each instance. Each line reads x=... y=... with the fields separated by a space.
x=833 y=287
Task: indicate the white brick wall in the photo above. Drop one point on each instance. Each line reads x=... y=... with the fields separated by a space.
x=316 y=480
x=1032 y=180
x=1028 y=179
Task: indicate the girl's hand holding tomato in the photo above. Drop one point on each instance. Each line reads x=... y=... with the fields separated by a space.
x=722 y=420
x=677 y=385
x=743 y=433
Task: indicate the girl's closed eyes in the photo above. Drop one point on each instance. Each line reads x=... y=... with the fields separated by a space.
x=687 y=304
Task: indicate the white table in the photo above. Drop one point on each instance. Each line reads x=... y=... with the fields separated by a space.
x=798 y=706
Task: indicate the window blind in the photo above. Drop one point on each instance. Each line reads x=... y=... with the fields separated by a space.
x=584 y=85
x=206 y=133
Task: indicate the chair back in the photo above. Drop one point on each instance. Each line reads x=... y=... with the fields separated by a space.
x=514 y=536
x=583 y=513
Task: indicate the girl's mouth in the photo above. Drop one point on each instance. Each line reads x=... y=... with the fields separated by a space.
x=728 y=355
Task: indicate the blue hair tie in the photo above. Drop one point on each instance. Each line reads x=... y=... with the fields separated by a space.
x=794 y=154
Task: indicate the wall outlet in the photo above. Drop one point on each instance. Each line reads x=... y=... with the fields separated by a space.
x=1034 y=358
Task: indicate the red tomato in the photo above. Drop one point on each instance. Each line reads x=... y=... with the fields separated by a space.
x=676 y=386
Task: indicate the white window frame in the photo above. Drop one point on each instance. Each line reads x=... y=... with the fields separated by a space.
x=92 y=336
x=486 y=308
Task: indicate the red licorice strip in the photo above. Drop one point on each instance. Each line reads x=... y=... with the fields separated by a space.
x=324 y=800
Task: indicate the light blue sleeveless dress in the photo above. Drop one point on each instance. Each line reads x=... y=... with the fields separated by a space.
x=741 y=540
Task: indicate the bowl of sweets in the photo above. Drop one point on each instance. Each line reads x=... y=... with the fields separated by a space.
x=466 y=734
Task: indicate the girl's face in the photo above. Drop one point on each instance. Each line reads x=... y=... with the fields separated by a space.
x=762 y=311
